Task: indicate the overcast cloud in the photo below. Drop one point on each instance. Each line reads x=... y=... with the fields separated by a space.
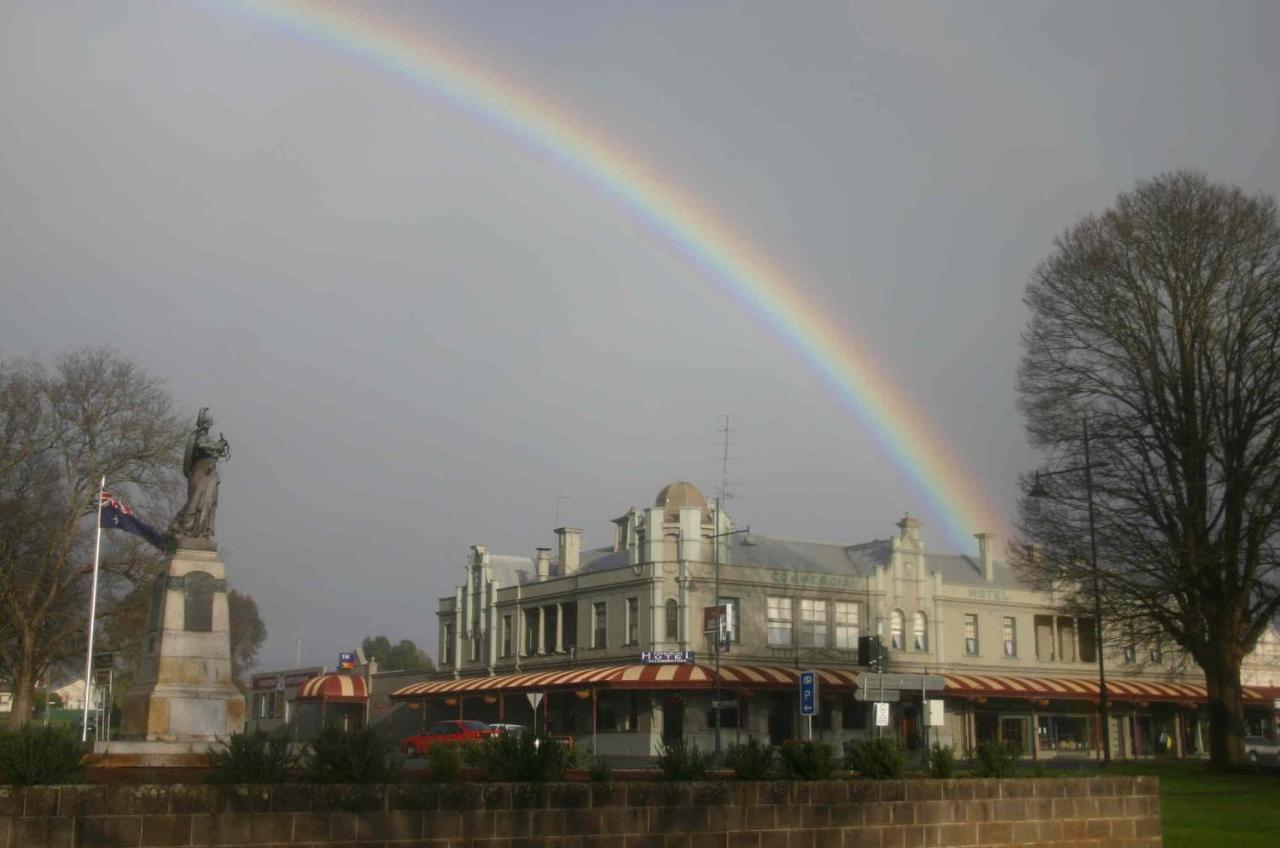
x=418 y=335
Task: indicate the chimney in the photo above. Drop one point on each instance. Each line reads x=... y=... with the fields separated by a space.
x=544 y=563
x=570 y=549
x=986 y=541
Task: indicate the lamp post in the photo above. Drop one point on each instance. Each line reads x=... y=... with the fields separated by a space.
x=1038 y=490
x=715 y=548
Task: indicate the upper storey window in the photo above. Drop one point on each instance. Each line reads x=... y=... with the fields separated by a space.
x=895 y=630
x=813 y=623
x=920 y=631
x=779 y=618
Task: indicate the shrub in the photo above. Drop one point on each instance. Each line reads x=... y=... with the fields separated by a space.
x=996 y=759
x=445 y=760
x=877 y=758
x=525 y=757
x=808 y=761
x=682 y=761
x=940 y=761
x=755 y=760
x=600 y=771
x=34 y=756
x=257 y=757
x=365 y=755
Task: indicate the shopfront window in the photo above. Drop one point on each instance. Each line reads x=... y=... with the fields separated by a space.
x=1066 y=734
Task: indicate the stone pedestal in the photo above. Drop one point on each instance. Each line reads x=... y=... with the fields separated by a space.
x=184 y=690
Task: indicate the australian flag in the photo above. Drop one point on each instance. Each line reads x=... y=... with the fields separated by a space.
x=117 y=516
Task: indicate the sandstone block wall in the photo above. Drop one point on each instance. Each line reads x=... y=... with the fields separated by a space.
x=1113 y=811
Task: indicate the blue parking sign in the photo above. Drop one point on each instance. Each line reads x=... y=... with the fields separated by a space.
x=808 y=693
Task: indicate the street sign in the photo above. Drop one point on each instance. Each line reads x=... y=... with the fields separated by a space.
x=346 y=660
x=882 y=715
x=730 y=704
x=535 y=698
x=809 y=693
x=909 y=682
x=889 y=695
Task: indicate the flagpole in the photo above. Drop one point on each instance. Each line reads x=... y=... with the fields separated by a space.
x=93 y=611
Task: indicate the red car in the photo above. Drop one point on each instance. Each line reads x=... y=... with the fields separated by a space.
x=445 y=732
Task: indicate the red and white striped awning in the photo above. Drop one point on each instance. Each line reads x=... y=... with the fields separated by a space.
x=333 y=688
x=634 y=676
x=1083 y=689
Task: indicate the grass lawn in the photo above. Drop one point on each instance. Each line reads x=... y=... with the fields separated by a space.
x=1202 y=809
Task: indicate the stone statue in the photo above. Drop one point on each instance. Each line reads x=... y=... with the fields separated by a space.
x=200 y=464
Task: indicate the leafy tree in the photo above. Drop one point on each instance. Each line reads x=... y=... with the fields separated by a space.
x=1157 y=325
x=247 y=632
x=94 y=413
x=402 y=656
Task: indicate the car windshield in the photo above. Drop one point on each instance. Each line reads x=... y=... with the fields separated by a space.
x=475 y=725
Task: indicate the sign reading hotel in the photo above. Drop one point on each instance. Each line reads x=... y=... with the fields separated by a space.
x=667 y=657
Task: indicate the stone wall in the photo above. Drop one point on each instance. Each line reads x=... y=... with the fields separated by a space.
x=1109 y=811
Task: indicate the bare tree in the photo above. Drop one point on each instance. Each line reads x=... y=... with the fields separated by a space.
x=93 y=414
x=247 y=633
x=1158 y=324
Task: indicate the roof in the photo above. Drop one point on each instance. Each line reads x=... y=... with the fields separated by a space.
x=334 y=687
x=633 y=676
x=510 y=570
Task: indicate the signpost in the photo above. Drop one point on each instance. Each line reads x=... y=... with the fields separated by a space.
x=882 y=715
x=535 y=698
x=809 y=697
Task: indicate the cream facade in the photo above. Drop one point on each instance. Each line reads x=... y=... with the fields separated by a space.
x=800 y=605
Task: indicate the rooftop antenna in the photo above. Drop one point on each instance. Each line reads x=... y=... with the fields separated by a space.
x=723 y=493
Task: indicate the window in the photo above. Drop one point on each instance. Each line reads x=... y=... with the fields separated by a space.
x=1009 y=633
x=506 y=635
x=448 y=644
x=633 y=621
x=846 y=625
x=895 y=630
x=779 y=621
x=1157 y=653
x=813 y=623
x=673 y=620
x=1130 y=648
x=971 y=634
x=920 y=631
x=600 y=639
x=531 y=632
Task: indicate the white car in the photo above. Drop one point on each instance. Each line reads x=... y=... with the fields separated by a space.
x=513 y=729
x=1261 y=748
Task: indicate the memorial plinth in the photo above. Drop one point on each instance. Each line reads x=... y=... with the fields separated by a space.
x=184 y=691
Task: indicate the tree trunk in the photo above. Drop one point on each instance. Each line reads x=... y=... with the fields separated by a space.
x=24 y=686
x=1226 y=712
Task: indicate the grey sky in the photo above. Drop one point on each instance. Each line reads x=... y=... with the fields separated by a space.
x=418 y=334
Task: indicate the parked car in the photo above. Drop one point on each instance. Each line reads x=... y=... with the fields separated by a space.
x=513 y=729
x=445 y=732
x=1261 y=748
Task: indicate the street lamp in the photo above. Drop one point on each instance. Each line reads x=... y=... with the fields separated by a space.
x=1038 y=490
x=715 y=547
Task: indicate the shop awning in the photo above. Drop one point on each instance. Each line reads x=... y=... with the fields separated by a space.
x=633 y=676
x=1084 y=689
x=334 y=688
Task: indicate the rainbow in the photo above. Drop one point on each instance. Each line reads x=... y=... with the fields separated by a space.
x=704 y=238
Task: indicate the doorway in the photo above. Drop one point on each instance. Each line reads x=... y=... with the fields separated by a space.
x=780 y=718
x=672 y=719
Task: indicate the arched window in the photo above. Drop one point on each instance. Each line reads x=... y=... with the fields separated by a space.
x=673 y=620
x=895 y=630
x=920 y=631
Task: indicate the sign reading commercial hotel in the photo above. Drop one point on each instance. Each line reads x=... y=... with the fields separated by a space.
x=668 y=657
